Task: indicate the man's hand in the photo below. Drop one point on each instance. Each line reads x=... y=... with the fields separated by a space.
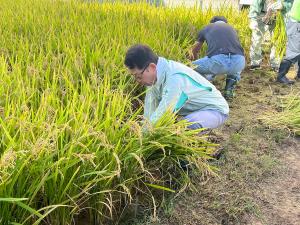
x=272 y=10
x=268 y=19
x=193 y=53
x=190 y=55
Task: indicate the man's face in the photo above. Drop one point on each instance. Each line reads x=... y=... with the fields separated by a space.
x=146 y=76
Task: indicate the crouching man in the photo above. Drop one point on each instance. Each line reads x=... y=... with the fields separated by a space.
x=225 y=54
x=172 y=85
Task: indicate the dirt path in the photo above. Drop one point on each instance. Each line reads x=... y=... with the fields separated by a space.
x=280 y=201
x=279 y=198
x=259 y=177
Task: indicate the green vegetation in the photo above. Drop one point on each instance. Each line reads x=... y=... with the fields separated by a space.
x=288 y=116
x=279 y=36
x=71 y=137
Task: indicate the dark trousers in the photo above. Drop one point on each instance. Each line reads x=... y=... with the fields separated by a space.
x=292 y=54
x=286 y=64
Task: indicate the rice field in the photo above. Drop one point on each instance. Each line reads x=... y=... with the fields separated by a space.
x=72 y=140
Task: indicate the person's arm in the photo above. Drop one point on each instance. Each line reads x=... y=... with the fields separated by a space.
x=255 y=9
x=170 y=97
x=195 y=50
x=286 y=6
x=151 y=103
x=277 y=5
x=271 y=10
x=193 y=54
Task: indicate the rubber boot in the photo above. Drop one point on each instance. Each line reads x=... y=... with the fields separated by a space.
x=229 y=88
x=283 y=70
x=298 y=73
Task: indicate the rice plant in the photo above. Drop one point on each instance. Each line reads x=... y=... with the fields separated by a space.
x=288 y=117
x=71 y=140
x=279 y=38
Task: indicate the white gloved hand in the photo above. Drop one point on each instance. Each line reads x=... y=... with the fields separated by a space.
x=274 y=6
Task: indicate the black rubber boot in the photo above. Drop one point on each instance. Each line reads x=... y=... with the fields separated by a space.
x=229 y=88
x=298 y=73
x=285 y=80
x=283 y=70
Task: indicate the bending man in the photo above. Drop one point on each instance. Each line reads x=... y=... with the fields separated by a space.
x=225 y=54
x=172 y=85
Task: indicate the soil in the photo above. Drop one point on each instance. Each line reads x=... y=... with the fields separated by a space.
x=259 y=170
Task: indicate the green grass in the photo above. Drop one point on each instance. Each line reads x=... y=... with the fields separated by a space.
x=71 y=139
x=287 y=117
x=279 y=38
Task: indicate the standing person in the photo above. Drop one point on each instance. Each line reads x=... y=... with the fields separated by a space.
x=292 y=55
x=225 y=54
x=176 y=87
x=260 y=24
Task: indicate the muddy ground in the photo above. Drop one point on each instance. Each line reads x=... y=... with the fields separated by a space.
x=259 y=177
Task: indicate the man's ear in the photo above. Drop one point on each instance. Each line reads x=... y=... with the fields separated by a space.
x=152 y=66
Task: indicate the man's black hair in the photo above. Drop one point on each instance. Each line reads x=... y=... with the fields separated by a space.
x=139 y=56
x=218 y=18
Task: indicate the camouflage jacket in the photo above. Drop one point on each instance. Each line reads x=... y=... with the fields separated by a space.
x=258 y=8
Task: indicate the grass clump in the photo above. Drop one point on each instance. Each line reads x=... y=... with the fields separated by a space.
x=288 y=115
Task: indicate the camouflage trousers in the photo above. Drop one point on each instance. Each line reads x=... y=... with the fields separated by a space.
x=259 y=32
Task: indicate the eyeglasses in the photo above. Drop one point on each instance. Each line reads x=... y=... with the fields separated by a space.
x=139 y=75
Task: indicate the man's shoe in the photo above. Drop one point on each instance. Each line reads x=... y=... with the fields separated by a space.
x=185 y=165
x=229 y=95
x=254 y=67
x=283 y=70
x=298 y=73
x=285 y=80
x=218 y=153
x=229 y=88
